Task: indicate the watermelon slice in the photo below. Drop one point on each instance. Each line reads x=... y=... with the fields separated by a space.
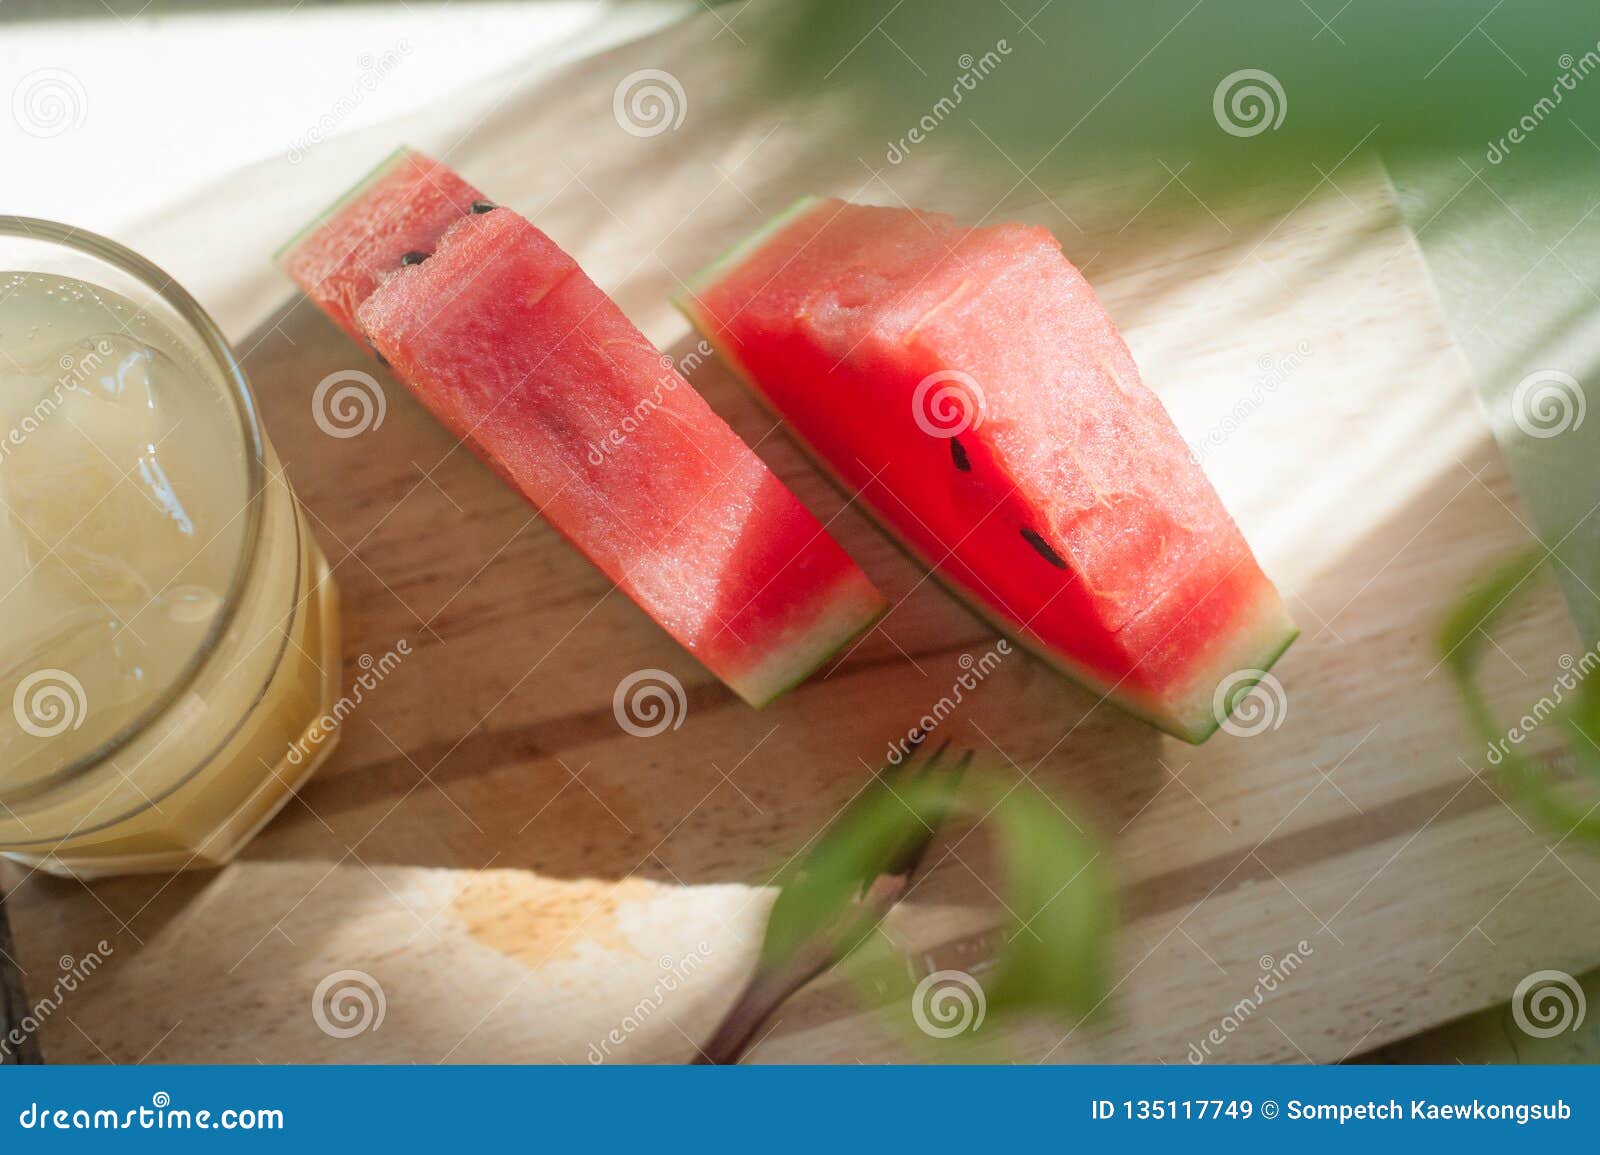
x=502 y=336
x=969 y=386
x=402 y=206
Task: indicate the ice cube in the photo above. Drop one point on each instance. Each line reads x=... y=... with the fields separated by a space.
x=88 y=483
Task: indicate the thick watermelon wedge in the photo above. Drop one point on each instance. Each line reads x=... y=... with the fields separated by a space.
x=502 y=336
x=969 y=386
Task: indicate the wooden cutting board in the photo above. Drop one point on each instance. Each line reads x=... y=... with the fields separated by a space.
x=521 y=878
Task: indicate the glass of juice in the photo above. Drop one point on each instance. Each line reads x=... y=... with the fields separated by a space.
x=168 y=625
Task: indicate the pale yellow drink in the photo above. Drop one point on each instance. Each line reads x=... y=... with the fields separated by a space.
x=168 y=628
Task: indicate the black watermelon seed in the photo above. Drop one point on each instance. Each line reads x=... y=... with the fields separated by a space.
x=414 y=258
x=958 y=454
x=382 y=360
x=1043 y=548
x=483 y=207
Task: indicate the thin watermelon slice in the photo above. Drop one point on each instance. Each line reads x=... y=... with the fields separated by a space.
x=402 y=206
x=506 y=341
x=969 y=386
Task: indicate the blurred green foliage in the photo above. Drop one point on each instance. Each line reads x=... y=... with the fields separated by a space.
x=1572 y=709
x=1069 y=81
x=1057 y=892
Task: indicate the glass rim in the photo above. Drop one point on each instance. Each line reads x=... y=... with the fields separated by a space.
x=216 y=347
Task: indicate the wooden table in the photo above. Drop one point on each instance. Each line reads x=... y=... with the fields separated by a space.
x=519 y=876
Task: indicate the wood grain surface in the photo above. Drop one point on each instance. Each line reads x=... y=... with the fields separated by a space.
x=14 y=1005
x=524 y=881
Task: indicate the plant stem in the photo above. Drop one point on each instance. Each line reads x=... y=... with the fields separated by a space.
x=768 y=989
x=764 y=994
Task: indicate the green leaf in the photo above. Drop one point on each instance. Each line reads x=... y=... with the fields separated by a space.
x=1462 y=639
x=1062 y=911
x=818 y=899
x=1465 y=628
x=1057 y=893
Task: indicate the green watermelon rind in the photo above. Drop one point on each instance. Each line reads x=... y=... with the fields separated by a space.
x=1243 y=687
x=849 y=610
x=1203 y=724
x=856 y=625
x=349 y=196
x=713 y=272
x=1200 y=726
x=709 y=275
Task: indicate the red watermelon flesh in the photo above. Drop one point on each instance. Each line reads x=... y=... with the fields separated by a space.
x=402 y=206
x=968 y=384
x=502 y=336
